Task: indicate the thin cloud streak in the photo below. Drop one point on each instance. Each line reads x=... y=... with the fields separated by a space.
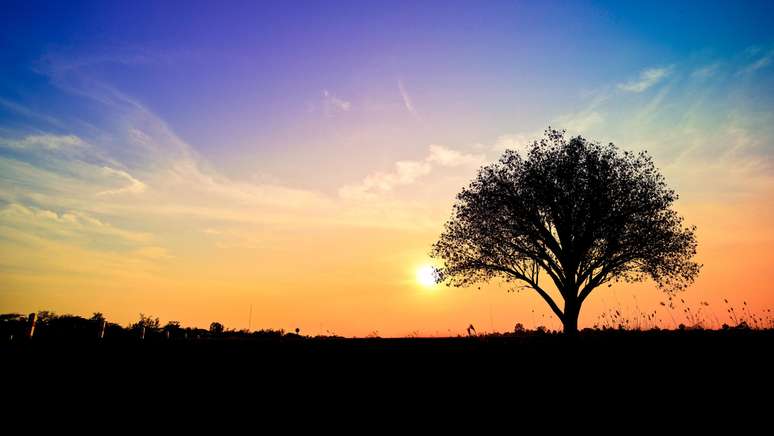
x=647 y=79
x=407 y=102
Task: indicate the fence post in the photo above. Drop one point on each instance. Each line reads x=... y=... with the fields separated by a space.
x=33 y=317
x=101 y=331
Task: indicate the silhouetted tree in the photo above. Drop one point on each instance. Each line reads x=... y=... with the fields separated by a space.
x=150 y=323
x=172 y=329
x=44 y=316
x=12 y=325
x=579 y=212
x=216 y=328
x=172 y=325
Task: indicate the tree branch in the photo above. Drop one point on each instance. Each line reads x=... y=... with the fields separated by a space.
x=533 y=284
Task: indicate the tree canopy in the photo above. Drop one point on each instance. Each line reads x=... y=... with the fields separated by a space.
x=574 y=211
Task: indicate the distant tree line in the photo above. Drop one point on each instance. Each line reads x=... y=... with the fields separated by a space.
x=47 y=325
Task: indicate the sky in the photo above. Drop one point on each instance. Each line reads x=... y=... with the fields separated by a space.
x=289 y=164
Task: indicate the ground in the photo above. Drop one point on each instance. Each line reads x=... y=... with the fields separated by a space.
x=665 y=369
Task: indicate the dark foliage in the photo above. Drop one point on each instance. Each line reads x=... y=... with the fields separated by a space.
x=14 y=328
x=576 y=211
x=216 y=328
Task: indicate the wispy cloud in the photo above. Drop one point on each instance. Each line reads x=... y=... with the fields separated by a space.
x=515 y=141
x=407 y=102
x=706 y=71
x=691 y=130
x=408 y=171
x=760 y=63
x=404 y=173
x=44 y=142
x=71 y=225
x=333 y=104
x=102 y=176
x=646 y=79
x=580 y=122
x=447 y=157
x=48 y=245
x=29 y=113
x=134 y=187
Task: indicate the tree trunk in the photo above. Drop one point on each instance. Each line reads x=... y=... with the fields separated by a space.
x=570 y=321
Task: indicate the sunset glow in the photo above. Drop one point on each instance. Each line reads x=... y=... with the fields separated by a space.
x=426 y=276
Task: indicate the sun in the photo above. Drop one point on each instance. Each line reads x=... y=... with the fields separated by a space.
x=426 y=276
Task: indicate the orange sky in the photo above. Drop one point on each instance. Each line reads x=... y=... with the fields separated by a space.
x=363 y=281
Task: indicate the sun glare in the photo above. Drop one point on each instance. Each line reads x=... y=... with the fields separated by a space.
x=426 y=276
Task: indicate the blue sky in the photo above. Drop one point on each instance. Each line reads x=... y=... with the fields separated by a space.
x=239 y=78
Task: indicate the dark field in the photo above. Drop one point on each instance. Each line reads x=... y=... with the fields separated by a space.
x=644 y=354
x=698 y=370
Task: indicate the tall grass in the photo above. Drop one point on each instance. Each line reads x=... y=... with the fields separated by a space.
x=677 y=313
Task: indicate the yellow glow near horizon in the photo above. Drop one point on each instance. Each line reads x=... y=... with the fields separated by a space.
x=426 y=276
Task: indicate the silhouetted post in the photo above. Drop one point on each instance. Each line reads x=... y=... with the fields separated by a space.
x=166 y=334
x=101 y=329
x=142 y=333
x=31 y=324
